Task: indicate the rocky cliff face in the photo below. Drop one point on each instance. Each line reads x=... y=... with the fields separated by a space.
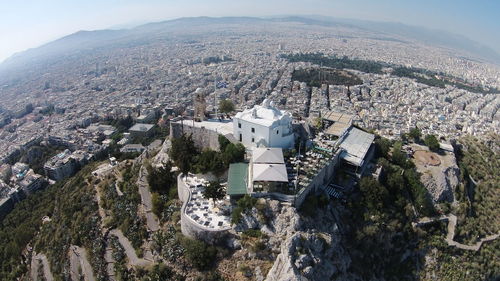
x=308 y=248
x=441 y=180
x=440 y=183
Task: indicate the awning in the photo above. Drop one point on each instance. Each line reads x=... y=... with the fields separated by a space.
x=237 y=179
x=267 y=155
x=270 y=172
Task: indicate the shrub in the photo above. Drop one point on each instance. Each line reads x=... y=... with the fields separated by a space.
x=432 y=142
x=223 y=142
x=214 y=191
x=311 y=204
x=210 y=276
x=415 y=134
x=198 y=253
x=255 y=233
x=161 y=179
x=236 y=215
x=247 y=202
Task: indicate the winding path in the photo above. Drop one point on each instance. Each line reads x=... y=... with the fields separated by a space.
x=78 y=260
x=146 y=202
x=110 y=261
x=36 y=261
x=452 y=223
x=133 y=259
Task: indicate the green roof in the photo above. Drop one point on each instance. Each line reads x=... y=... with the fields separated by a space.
x=237 y=179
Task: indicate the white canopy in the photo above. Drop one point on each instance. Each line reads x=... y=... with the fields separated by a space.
x=270 y=172
x=268 y=155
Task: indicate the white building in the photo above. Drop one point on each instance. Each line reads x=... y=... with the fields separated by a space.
x=264 y=125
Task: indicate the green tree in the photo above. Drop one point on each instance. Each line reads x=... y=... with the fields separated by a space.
x=382 y=146
x=226 y=106
x=209 y=161
x=158 y=204
x=415 y=134
x=182 y=152
x=233 y=153
x=398 y=157
x=432 y=142
x=374 y=194
x=198 y=253
x=214 y=190
x=161 y=179
x=223 y=142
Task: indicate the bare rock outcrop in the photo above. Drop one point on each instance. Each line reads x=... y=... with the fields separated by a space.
x=441 y=182
x=308 y=250
x=442 y=179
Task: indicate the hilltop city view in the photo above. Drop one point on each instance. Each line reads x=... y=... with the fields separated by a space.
x=249 y=141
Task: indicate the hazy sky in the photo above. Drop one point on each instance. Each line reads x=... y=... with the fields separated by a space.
x=29 y=23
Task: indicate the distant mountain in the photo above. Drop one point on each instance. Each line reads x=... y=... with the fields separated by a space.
x=425 y=35
x=86 y=41
x=76 y=42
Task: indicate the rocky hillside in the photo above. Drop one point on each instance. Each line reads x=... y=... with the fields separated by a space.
x=305 y=248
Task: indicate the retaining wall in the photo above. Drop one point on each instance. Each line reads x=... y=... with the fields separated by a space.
x=202 y=137
x=322 y=178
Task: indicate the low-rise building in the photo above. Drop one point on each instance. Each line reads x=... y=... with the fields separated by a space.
x=66 y=164
x=357 y=150
x=133 y=147
x=141 y=130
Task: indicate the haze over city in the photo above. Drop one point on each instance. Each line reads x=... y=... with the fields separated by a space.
x=28 y=24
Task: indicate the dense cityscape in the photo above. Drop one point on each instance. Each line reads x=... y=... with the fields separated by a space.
x=119 y=109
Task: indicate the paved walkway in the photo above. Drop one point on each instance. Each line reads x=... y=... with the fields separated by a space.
x=40 y=260
x=452 y=223
x=79 y=260
x=110 y=261
x=133 y=259
x=152 y=221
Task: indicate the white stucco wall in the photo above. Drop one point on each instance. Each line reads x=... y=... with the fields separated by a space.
x=278 y=134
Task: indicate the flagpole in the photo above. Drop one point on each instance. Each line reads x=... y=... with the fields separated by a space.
x=215 y=98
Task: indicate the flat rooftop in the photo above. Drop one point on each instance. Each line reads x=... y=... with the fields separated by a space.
x=140 y=127
x=223 y=127
x=341 y=122
x=337 y=129
x=356 y=144
x=338 y=117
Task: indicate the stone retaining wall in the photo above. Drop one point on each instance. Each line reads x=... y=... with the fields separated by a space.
x=322 y=178
x=202 y=137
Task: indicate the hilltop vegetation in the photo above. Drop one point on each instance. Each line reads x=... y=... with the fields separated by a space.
x=424 y=76
x=478 y=195
x=477 y=210
x=382 y=241
x=316 y=77
x=73 y=212
x=337 y=63
x=382 y=238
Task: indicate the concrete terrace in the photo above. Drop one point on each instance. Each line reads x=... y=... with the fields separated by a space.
x=203 y=211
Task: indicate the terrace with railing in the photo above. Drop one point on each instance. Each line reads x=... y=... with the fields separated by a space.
x=202 y=211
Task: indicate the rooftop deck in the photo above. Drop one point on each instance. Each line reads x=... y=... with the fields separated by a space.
x=203 y=211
